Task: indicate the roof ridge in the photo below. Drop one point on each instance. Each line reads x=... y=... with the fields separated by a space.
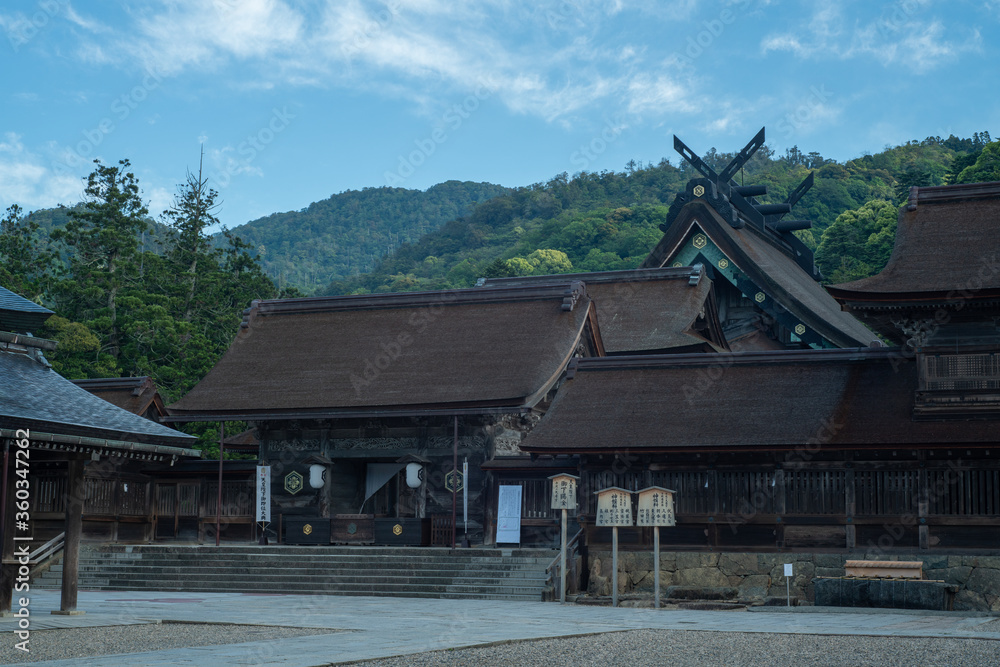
x=750 y=358
x=943 y=194
x=638 y=274
x=568 y=289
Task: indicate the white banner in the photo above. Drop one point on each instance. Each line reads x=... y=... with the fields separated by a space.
x=509 y=514
x=263 y=494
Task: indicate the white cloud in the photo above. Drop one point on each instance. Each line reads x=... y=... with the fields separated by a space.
x=28 y=180
x=549 y=61
x=661 y=93
x=899 y=37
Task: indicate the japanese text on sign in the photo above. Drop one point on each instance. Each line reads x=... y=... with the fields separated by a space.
x=656 y=508
x=614 y=507
x=263 y=494
x=563 y=492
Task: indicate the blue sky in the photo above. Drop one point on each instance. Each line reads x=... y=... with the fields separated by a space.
x=297 y=100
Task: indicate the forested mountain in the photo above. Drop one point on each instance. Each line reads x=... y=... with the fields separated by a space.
x=608 y=220
x=347 y=233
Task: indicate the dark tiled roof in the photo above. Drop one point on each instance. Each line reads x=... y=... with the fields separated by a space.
x=947 y=240
x=133 y=394
x=18 y=314
x=642 y=309
x=769 y=267
x=782 y=400
x=33 y=395
x=392 y=352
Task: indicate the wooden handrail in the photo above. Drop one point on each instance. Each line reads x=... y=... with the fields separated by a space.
x=48 y=549
x=569 y=547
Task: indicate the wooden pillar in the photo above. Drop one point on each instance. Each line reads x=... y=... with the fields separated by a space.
x=850 y=507
x=8 y=570
x=780 y=505
x=923 y=506
x=75 y=495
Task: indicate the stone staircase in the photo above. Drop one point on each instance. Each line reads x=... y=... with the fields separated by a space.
x=485 y=574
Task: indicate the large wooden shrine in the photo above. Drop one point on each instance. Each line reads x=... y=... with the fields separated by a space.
x=879 y=449
x=366 y=406
x=721 y=369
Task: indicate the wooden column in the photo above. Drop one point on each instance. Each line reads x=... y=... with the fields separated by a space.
x=923 y=506
x=75 y=494
x=8 y=571
x=850 y=507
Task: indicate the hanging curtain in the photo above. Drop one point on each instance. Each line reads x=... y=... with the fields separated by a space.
x=377 y=476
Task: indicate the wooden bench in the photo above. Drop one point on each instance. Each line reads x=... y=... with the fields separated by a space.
x=884 y=569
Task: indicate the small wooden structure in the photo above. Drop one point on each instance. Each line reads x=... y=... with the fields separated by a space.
x=49 y=424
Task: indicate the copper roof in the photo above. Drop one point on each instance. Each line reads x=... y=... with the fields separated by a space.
x=396 y=353
x=762 y=400
x=947 y=241
x=770 y=266
x=646 y=309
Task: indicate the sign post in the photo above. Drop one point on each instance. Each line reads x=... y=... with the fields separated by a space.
x=614 y=508
x=788 y=584
x=263 y=509
x=563 y=498
x=656 y=508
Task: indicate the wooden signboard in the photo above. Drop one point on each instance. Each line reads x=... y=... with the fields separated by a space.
x=509 y=514
x=564 y=491
x=614 y=507
x=563 y=498
x=656 y=507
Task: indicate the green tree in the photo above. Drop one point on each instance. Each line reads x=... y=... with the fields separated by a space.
x=103 y=237
x=549 y=261
x=192 y=212
x=986 y=167
x=858 y=243
x=25 y=265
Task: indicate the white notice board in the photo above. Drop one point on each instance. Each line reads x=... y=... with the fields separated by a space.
x=509 y=514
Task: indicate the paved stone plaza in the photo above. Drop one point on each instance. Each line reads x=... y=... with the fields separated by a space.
x=371 y=627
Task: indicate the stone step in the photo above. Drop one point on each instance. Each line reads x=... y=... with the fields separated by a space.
x=324 y=561
x=407 y=572
x=283 y=581
x=418 y=552
x=528 y=592
x=409 y=569
x=304 y=568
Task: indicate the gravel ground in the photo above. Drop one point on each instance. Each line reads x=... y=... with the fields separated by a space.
x=65 y=643
x=682 y=647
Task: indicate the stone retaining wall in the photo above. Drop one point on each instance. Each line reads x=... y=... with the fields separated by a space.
x=758 y=575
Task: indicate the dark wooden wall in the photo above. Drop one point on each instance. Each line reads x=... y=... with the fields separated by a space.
x=896 y=501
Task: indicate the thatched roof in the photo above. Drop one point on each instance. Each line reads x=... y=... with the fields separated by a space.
x=947 y=240
x=412 y=353
x=646 y=310
x=137 y=394
x=784 y=400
